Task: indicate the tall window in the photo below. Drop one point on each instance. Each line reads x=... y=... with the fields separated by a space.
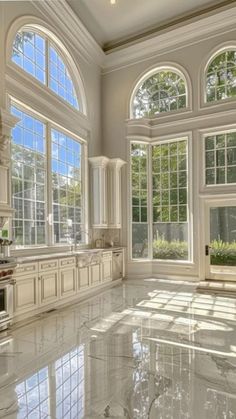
x=163 y=91
x=46 y=176
x=221 y=77
x=161 y=208
x=37 y=55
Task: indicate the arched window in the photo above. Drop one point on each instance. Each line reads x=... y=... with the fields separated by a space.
x=163 y=91
x=48 y=150
x=36 y=54
x=221 y=76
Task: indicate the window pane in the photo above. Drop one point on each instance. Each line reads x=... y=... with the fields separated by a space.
x=67 y=188
x=162 y=92
x=220 y=159
x=170 y=201
x=29 y=53
x=221 y=77
x=139 y=200
x=59 y=78
x=28 y=173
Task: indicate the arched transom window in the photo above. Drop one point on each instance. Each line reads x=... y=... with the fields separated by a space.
x=36 y=54
x=221 y=77
x=164 y=91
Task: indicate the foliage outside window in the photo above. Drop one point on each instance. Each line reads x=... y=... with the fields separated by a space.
x=169 y=200
x=38 y=56
x=220 y=158
x=34 y=173
x=221 y=77
x=139 y=164
x=223 y=236
x=164 y=91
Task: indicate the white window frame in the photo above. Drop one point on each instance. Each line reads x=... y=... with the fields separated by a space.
x=191 y=243
x=217 y=188
x=226 y=46
x=48 y=204
x=164 y=66
x=22 y=25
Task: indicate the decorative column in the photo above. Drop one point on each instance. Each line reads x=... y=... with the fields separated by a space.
x=114 y=192
x=7 y=122
x=99 y=213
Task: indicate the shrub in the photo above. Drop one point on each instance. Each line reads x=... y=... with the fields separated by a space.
x=174 y=250
x=223 y=253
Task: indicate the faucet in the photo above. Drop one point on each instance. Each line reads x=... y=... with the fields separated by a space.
x=77 y=238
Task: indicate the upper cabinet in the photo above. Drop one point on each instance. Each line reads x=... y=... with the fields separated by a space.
x=106 y=192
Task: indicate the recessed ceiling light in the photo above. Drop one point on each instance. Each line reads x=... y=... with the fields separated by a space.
x=113 y=1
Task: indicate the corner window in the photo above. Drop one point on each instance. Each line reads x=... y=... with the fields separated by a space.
x=160 y=201
x=163 y=91
x=221 y=77
x=36 y=54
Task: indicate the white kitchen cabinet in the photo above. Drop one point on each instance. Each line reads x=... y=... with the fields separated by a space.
x=83 y=277
x=68 y=285
x=95 y=274
x=107 y=267
x=106 y=192
x=25 y=293
x=99 y=210
x=48 y=287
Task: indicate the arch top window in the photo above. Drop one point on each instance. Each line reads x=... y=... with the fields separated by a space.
x=164 y=91
x=36 y=54
x=221 y=77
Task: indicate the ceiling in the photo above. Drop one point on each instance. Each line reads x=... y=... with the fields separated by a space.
x=113 y=25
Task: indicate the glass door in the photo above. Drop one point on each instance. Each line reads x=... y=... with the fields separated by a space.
x=220 y=244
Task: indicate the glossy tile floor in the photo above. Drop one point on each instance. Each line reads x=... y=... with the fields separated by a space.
x=144 y=349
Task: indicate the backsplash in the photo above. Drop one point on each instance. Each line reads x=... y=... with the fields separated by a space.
x=108 y=236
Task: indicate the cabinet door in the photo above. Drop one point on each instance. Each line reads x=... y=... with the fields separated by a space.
x=95 y=274
x=107 y=270
x=49 y=289
x=83 y=277
x=25 y=293
x=68 y=282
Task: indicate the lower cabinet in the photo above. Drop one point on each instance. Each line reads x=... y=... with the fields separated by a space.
x=48 y=287
x=83 y=277
x=95 y=274
x=68 y=282
x=107 y=269
x=26 y=293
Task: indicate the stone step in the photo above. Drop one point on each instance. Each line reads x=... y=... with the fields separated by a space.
x=227 y=288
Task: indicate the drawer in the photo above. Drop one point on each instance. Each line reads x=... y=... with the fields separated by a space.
x=106 y=255
x=70 y=261
x=26 y=268
x=48 y=265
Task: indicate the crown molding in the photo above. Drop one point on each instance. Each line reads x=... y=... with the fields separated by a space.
x=192 y=33
x=59 y=13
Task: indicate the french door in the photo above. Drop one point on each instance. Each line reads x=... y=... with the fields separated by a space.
x=220 y=239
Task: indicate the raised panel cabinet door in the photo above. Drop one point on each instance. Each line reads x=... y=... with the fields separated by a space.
x=95 y=274
x=83 y=277
x=25 y=293
x=107 y=270
x=68 y=281
x=49 y=287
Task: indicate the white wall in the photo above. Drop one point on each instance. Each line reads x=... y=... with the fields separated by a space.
x=117 y=86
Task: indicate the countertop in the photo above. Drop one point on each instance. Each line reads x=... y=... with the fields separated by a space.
x=35 y=258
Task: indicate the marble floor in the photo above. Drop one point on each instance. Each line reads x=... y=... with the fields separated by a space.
x=144 y=349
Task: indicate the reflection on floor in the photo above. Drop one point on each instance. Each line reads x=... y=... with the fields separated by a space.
x=144 y=349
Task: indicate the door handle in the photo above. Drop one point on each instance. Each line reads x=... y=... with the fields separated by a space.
x=207 y=250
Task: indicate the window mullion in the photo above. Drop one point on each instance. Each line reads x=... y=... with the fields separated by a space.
x=49 y=222
x=150 y=204
x=47 y=64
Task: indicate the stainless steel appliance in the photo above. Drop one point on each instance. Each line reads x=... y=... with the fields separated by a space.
x=117 y=264
x=7 y=267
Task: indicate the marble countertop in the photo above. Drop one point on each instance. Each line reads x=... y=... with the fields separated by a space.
x=35 y=258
